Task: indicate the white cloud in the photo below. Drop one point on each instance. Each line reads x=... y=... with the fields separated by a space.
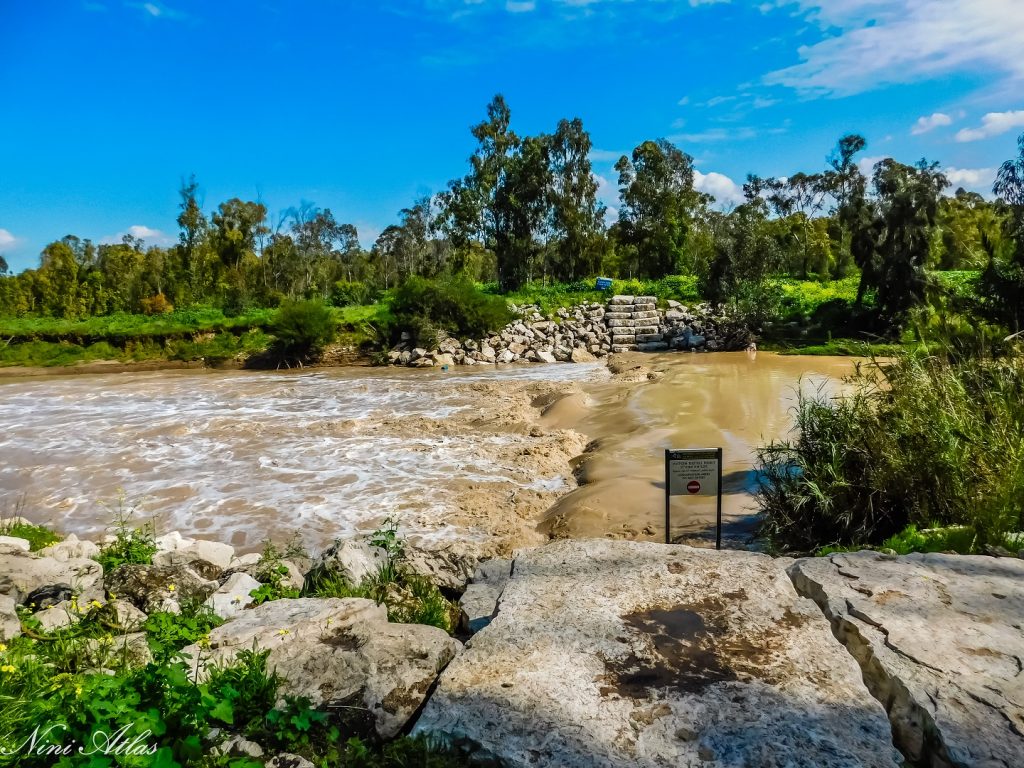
x=867 y=164
x=930 y=123
x=520 y=6
x=724 y=189
x=6 y=238
x=871 y=43
x=993 y=124
x=141 y=232
x=716 y=134
x=684 y=101
x=977 y=179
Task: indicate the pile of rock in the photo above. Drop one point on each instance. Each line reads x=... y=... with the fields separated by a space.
x=584 y=333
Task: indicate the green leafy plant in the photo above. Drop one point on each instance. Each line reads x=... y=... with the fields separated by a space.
x=132 y=545
x=37 y=536
x=302 y=329
x=167 y=633
x=455 y=305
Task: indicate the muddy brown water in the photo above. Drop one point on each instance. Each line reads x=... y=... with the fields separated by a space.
x=243 y=456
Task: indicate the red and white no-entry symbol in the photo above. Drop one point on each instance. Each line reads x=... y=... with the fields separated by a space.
x=693 y=486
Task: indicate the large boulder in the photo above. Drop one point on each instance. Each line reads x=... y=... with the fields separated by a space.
x=449 y=566
x=22 y=573
x=207 y=558
x=940 y=639
x=614 y=653
x=479 y=603
x=159 y=587
x=352 y=560
x=341 y=654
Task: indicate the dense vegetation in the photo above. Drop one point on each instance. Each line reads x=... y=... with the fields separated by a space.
x=154 y=712
x=926 y=452
x=526 y=220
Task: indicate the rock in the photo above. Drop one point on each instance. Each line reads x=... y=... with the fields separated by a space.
x=159 y=587
x=614 y=653
x=940 y=639
x=71 y=548
x=506 y=356
x=479 y=603
x=59 y=616
x=244 y=562
x=124 y=616
x=233 y=596
x=10 y=624
x=111 y=652
x=288 y=760
x=652 y=346
x=352 y=560
x=449 y=566
x=24 y=572
x=543 y=356
x=581 y=355
x=620 y=301
x=207 y=558
x=238 y=746
x=342 y=654
x=444 y=359
x=172 y=541
x=44 y=597
x=14 y=544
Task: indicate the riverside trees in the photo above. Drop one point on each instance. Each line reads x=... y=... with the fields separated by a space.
x=528 y=209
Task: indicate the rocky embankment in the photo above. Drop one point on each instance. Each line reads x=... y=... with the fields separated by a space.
x=599 y=652
x=586 y=332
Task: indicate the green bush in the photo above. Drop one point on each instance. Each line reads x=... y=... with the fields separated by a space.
x=132 y=545
x=348 y=293
x=302 y=329
x=37 y=536
x=453 y=305
x=924 y=441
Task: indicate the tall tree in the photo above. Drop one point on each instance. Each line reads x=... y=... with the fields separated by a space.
x=1002 y=281
x=193 y=226
x=236 y=226
x=659 y=203
x=577 y=217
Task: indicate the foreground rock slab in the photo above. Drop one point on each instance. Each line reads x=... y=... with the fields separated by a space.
x=941 y=642
x=339 y=653
x=615 y=653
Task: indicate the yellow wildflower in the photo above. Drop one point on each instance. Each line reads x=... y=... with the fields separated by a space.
x=78 y=690
x=96 y=604
x=2 y=647
x=8 y=669
x=170 y=587
x=284 y=632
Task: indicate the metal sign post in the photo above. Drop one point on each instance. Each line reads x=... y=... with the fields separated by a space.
x=693 y=472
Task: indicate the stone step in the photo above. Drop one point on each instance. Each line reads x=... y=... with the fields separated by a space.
x=644 y=308
x=618 y=316
x=623 y=340
x=645 y=299
x=618 y=348
x=620 y=300
x=617 y=323
x=645 y=338
x=645 y=328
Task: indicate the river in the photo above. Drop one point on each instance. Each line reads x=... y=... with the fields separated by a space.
x=245 y=456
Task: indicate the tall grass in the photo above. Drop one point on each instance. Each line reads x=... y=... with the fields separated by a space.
x=920 y=440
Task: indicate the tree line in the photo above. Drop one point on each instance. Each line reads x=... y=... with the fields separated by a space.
x=527 y=209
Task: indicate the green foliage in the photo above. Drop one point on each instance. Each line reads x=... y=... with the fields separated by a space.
x=132 y=545
x=37 y=536
x=959 y=539
x=453 y=305
x=303 y=328
x=919 y=441
x=272 y=572
x=168 y=633
x=409 y=597
x=348 y=293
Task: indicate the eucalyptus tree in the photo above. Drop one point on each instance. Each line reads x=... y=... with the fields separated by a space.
x=1002 y=281
x=658 y=205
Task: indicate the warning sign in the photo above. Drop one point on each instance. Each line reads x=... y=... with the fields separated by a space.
x=693 y=473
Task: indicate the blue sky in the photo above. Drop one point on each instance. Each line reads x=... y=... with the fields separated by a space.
x=362 y=106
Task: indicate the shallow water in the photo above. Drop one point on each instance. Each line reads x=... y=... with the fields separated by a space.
x=736 y=401
x=242 y=455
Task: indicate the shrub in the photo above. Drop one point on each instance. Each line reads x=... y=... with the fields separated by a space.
x=924 y=441
x=348 y=293
x=132 y=545
x=37 y=536
x=156 y=305
x=454 y=305
x=302 y=329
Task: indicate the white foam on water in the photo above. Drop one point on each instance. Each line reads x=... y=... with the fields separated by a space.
x=229 y=453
